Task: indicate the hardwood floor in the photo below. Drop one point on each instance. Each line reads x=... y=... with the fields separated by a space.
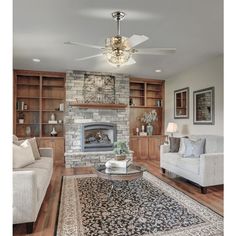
x=46 y=221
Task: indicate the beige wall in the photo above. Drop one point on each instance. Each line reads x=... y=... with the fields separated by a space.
x=207 y=74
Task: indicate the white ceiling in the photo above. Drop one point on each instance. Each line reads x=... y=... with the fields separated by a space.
x=193 y=27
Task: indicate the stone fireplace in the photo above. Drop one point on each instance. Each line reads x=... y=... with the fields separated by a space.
x=97 y=136
x=82 y=134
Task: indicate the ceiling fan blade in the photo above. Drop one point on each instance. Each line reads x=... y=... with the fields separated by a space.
x=89 y=57
x=131 y=61
x=136 y=39
x=155 y=51
x=83 y=44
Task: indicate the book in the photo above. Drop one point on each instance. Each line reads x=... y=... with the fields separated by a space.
x=20 y=105
x=118 y=164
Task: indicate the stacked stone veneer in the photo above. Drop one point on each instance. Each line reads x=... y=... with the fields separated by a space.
x=75 y=116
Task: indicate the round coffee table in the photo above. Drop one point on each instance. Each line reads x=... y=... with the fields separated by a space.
x=133 y=172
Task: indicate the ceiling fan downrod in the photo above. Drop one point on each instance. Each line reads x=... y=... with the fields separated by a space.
x=118 y=16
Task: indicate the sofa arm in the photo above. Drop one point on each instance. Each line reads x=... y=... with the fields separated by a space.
x=46 y=152
x=24 y=196
x=164 y=148
x=212 y=169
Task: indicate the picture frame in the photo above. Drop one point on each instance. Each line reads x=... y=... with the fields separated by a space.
x=204 y=106
x=181 y=103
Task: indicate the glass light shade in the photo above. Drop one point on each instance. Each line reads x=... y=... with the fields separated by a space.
x=171 y=127
x=117 y=50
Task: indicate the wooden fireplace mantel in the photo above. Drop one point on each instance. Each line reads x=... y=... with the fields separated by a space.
x=99 y=105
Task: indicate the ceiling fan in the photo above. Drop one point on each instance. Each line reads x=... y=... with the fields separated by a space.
x=118 y=49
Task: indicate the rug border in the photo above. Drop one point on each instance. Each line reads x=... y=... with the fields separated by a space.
x=94 y=175
x=59 y=201
x=58 y=207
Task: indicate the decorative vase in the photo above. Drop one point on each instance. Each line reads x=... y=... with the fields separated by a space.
x=53 y=116
x=149 y=129
x=28 y=131
x=54 y=132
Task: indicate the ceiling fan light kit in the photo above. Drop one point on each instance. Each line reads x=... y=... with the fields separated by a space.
x=118 y=49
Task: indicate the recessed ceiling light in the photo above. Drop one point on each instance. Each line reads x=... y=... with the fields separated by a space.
x=36 y=60
x=158 y=70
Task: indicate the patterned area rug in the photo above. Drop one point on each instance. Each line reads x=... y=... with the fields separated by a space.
x=147 y=207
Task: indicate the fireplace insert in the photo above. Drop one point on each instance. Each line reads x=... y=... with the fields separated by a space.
x=97 y=136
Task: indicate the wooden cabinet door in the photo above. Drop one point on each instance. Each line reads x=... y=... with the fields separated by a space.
x=154 y=148
x=140 y=147
x=133 y=146
x=143 y=148
x=58 y=148
x=59 y=151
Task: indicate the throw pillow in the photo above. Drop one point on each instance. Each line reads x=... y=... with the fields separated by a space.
x=194 y=148
x=15 y=138
x=181 y=146
x=22 y=155
x=34 y=147
x=174 y=144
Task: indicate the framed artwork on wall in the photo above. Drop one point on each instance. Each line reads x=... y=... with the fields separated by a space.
x=181 y=103
x=99 y=89
x=204 y=106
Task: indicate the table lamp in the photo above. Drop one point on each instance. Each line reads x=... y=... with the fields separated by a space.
x=171 y=128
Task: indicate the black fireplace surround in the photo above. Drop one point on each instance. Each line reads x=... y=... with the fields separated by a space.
x=98 y=136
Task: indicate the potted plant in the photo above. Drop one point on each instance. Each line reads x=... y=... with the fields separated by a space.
x=149 y=118
x=120 y=150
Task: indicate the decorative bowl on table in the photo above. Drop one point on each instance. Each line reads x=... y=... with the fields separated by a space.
x=120 y=157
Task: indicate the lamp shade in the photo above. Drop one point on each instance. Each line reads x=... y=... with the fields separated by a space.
x=171 y=127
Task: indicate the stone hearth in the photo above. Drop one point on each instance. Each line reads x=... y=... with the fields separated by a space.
x=75 y=117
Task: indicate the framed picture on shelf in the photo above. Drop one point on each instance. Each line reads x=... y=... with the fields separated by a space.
x=181 y=103
x=204 y=106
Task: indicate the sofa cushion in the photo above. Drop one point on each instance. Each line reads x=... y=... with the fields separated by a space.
x=186 y=164
x=171 y=158
x=43 y=163
x=174 y=144
x=22 y=155
x=194 y=148
x=190 y=164
x=42 y=177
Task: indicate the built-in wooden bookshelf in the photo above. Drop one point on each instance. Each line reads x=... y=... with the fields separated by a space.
x=27 y=105
x=38 y=95
x=146 y=95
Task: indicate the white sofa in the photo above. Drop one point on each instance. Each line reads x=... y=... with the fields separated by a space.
x=30 y=185
x=207 y=170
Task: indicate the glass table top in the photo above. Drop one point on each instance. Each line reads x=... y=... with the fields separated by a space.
x=131 y=169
